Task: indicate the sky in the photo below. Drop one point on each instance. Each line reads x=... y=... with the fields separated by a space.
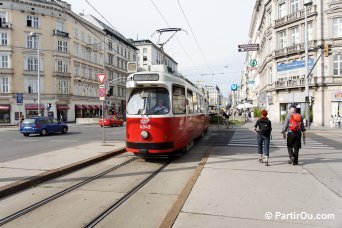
x=219 y=26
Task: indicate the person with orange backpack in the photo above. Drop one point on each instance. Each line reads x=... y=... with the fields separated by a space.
x=295 y=131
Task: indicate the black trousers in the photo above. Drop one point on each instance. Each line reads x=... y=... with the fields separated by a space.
x=294 y=144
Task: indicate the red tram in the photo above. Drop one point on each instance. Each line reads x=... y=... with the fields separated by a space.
x=165 y=113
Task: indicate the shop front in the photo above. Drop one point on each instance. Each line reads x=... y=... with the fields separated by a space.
x=5 y=114
x=336 y=103
x=31 y=110
x=62 y=112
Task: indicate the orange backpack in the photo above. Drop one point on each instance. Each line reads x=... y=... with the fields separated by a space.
x=295 y=122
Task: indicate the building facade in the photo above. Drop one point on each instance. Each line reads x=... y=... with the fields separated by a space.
x=71 y=53
x=151 y=54
x=279 y=79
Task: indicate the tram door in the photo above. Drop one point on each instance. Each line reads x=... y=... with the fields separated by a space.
x=190 y=121
x=179 y=111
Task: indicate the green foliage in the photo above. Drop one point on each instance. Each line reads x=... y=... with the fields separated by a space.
x=257 y=112
x=283 y=117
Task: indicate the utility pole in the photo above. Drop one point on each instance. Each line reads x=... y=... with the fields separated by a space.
x=307 y=106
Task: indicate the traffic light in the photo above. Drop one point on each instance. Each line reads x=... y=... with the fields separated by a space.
x=110 y=92
x=311 y=100
x=49 y=105
x=327 y=49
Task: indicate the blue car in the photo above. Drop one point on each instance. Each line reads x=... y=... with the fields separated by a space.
x=42 y=126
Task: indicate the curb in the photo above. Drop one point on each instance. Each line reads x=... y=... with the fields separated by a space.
x=17 y=186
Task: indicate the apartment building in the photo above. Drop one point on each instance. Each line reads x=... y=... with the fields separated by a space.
x=278 y=27
x=151 y=54
x=72 y=50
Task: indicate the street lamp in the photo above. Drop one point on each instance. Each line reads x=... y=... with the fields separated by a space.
x=34 y=35
x=307 y=108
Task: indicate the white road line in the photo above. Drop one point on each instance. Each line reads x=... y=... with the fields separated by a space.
x=25 y=140
x=281 y=146
x=62 y=140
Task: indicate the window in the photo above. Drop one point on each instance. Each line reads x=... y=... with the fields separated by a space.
x=338 y=64
x=270 y=79
x=110 y=59
x=337 y=27
x=95 y=57
x=32 y=42
x=153 y=101
x=90 y=73
x=3 y=19
x=294 y=35
x=282 y=39
x=3 y=38
x=62 y=66
x=76 y=32
x=60 y=26
x=269 y=18
x=83 y=53
x=110 y=46
x=32 y=22
x=82 y=36
x=83 y=71
x=4 y=85
x=4 y=61
x=89 y=55
x=62 y=46
x=32 y=64
x=282 y=10
x=89 y=39
x=77 y=69
x=190 y=102
x=76 y=50
x=63 y=87
x=145 y=51
x=294 y=6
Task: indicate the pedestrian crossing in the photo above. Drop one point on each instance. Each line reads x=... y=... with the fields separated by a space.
x=244 y=139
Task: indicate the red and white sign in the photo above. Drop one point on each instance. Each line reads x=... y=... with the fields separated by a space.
x=101 y=92
x=101 y=78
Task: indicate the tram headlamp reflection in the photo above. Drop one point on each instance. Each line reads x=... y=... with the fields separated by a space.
x=144 y=134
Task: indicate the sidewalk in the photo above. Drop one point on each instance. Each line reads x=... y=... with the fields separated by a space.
x=16 y=174
x=235 y=190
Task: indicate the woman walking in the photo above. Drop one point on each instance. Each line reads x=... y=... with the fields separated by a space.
x=263 y=127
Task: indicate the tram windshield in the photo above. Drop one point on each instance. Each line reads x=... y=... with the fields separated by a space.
x=148 y=101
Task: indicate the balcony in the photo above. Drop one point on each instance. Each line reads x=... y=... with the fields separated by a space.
x=296 y=16
x=60 y=33
x=332 y=80
x=6 y=71
x=291 y=83
x=294 y=49
x=6 y=25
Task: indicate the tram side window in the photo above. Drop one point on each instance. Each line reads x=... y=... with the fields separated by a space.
x=178 y=100
x=190 y=102
x=200 y=104
x=195 y=102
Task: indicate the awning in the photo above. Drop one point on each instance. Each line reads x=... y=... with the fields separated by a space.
x=4 y=107
x=93 y=107
x=79 y=107
x=33 y=106
x=98 y=106
x=87 y=107
x=62 y=107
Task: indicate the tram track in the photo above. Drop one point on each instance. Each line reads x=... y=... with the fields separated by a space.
x=57 y=195
x=124 y=198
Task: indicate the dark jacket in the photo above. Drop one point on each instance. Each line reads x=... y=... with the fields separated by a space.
x=266 y=121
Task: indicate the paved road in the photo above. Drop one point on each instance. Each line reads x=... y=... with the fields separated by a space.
x=15 y=146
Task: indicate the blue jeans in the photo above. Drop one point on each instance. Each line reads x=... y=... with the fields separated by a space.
x=266 y=141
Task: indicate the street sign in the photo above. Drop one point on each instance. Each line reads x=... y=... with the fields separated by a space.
x=253 y=63
x=248 y=47
x=234 y=87
x=101 y=92
x=101 y=78
x=20 y=98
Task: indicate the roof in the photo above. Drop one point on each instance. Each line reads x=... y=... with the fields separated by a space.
x=149 y=42
x=114 y=33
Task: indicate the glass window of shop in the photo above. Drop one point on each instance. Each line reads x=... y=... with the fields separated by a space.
x=5 y=114
x=336 y=108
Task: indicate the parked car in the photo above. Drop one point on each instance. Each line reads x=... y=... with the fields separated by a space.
x=111 y=121
x=42 y=126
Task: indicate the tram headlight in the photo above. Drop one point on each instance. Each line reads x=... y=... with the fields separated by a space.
x=144 y=134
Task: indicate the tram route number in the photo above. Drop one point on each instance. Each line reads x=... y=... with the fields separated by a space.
x=145 y=127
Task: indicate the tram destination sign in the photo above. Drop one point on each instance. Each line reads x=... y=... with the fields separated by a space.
x=146 y=77
x=248 y=47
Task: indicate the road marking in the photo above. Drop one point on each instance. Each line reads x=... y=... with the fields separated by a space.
x=24 y=140
x=275 y=146
x=62 y=140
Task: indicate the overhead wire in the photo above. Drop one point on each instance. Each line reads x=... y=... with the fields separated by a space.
x=181 y=45
x=193 y=34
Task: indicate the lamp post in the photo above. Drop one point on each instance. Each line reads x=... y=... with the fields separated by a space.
x=34 y=35
x=307 y=107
